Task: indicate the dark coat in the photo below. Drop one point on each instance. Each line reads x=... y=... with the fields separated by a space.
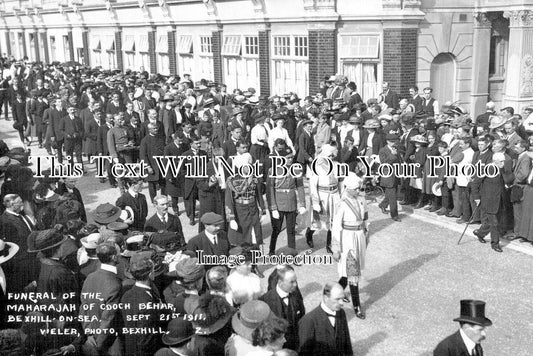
x=386 y=156
x=229 y=148
x=190 y=183
x=108 y=286
x=318 y=337
x=139 y=207
x=306 y=148
x=101 y=140
x=19 y=112
x=154 y=224
x=54 y=121
x=56 y=278
x=391 y=99
x=453 y=345
x=91 y=137
x=490 y=191
x=141 y=344
x=128 y=116
x=407 y=147
x=152 y=146
x=175 y=185
x=378 y=141
x=201 y=243
x=293 y=313
x=71 y=129
x=210 y=196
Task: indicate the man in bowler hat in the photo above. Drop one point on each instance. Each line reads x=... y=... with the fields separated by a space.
x=467 y=340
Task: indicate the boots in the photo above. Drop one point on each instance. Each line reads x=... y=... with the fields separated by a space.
x=354 y=291
x=422 y=201
x=328 y=242
x=309 y=237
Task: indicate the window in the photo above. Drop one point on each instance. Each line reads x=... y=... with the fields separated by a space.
x=365 y=76
x=206 y=67
x=231 y=46
x=142 y=59
x=205 y=45
x=499 y=47
x=80 y=56
x=129 y=43
x=251 y=45
x=66 y=48
x=282 y=46
x=32 y=52
x=143 y=44
x=360 y=47
x=163 y=64
x=52 y=46
x=185 y=65
x=42 y=48
x=290 y=64
x=162 y=44
x=185 y=45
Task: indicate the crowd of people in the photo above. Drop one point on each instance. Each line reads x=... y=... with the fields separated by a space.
x=121 y=261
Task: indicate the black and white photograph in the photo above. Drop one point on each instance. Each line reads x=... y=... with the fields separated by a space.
x=266 y=177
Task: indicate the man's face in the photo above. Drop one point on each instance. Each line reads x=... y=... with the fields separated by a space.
x=195 y=145
x=39 y=82
x=71 y=111
x=505 y=114
x=427 y=94
x=236 y=134
x=518 y=148
x=348 y=143
x=137 y=186
x=289 y=283
x=443 y=151
x=17 y=205
x=385 y=87
x=129 y=106
x=476 y=333
x=335 y=299
x=58 y=103
x=178 y=141
x=497 y=146
x=109 y=119
x=120 y=120
x=152 y=115
x=412 y=92
x=212 y=229
x=509 y=128
x=161 y=206
x=187 y=128
x=482 y=145
x=152 y=129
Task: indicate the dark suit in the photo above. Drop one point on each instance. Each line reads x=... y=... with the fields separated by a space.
x=173 y=224
x=108 y=286
x=190 y=192
x=53 y=131
x=175 y=185
x=153 y=146
x=484 y=119
x=292 y=313
x=91 y=137
x=72 y=130
x=391 y=99
x=142 y=344
x=229 y=147
x=202 y=243
x=306 y=149
x=377 y=142
x=138 y=205
x=319 y=337
x=390 y=184
x=128 y=116
x=103 y=149
x=453 y=345
x=211 y=197
x=418 y=103
x=24 y=266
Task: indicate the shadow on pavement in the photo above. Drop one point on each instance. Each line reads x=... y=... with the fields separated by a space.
x=362 y=347
x=311 y=288
x=378 y=287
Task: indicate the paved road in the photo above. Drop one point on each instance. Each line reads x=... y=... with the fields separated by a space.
x=415 y=276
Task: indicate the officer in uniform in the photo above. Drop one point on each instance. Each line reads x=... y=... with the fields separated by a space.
x=281 y=197
x=244 y=205
x=324 y=188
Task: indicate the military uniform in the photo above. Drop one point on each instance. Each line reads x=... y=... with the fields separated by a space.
x=281 y=197
x=243 y=200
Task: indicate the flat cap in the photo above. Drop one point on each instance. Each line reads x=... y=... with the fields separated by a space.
x=211 y=219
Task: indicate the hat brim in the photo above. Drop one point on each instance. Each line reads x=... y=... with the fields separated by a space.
x=49 y=247
x=476 y=321
x=219 y=324
x=171 y=341
x=371 y=126
x=240 y=329
x=13 y=249
x=108 y=220
x=436 y=190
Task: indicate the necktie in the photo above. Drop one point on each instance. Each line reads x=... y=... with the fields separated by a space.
x=477 y=351
x=27 y=222
x=164 y=220
x=332 y=319
x=215 y=241
x=286 y=300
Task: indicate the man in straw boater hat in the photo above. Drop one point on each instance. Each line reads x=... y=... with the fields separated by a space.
x=177 y=339
x=350 y=238
x=244 y=322
x=467 y=340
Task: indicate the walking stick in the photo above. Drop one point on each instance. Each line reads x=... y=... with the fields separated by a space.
x=468 y=223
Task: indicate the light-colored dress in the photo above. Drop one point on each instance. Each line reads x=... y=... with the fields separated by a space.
x=324 y=190
x=349 y=237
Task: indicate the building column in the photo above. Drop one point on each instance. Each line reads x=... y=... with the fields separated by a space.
x=172 y=60
x=85 y=39
x=400 y=40
x=322 y=49
x=71 y=45
x=37 y=40
x=118 y=49
x=264 y=60
x=151 y=51
x=519 y=75
x=24 y=49
x=480 y=64
x=44 y=37
x=8 y=43
x=216 y=46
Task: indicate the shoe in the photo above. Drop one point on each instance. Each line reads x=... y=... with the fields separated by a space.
x=450 y=215
x=442 y=211
x=404 y=202
x=397 y=219
x=40 y=145
x=383 y=210
x=359 y=313
x=461 y=221
x=497 y=248
x=479 y=237
x=477 y=222
x=192 y=222
x=271 y=253
x=309 y=238
x=434 y=209
x=328 y=250
x=428 y=207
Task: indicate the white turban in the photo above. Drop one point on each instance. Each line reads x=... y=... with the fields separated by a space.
x=352 y=181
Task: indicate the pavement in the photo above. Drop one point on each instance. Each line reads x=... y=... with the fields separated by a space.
x=415 y=276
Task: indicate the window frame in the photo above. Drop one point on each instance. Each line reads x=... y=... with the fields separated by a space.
x=344 y=56
x=206 y=49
